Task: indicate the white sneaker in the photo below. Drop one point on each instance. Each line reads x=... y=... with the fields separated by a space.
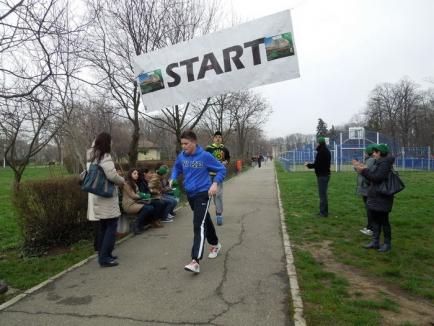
x=215 y=250
x=193 y=267
x=366 y=231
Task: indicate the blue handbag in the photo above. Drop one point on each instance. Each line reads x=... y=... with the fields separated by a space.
x=96 y=182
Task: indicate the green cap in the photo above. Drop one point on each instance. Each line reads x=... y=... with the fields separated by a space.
x=382 y=148
x=370 y=148
x=321 y=139
x=162 y=170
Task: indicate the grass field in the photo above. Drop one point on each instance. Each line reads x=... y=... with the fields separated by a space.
x=22 y=273
x=342 y=283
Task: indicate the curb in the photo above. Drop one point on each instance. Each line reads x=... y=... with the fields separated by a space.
x=297 y=302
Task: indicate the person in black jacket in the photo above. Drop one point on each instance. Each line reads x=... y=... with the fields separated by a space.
x=322 y=171
x=378 y=205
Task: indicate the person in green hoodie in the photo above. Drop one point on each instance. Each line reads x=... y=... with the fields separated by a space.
x=221 y=153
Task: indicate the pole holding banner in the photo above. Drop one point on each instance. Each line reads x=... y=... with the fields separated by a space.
x=255 y=53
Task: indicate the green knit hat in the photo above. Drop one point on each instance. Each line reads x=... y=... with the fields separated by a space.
x=370 y=148
x=382 y=148
x=321 y=139
x=162 y=170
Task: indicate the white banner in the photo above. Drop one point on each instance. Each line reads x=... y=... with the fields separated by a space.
x=248 y=55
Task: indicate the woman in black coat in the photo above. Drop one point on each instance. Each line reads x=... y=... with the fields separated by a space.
x=378 y=205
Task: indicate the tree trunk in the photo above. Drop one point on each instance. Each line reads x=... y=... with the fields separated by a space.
x=133 y=152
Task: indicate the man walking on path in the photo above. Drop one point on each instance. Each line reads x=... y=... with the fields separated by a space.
x=221 y=153
x=196 y=164
x=322 y=171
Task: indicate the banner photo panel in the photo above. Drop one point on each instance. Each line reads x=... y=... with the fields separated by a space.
x=255 y=53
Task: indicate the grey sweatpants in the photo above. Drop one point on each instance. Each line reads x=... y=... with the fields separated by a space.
x=218 y=200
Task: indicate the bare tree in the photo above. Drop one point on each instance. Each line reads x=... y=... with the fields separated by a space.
x=393 y=110
x=249 y=112
x=28 y=54
x=33 y=122
x=178 y=118
x=132 y=27
x=36 y=61
x=219 y=117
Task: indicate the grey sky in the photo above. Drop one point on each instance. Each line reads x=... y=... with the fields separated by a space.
x=345 y=48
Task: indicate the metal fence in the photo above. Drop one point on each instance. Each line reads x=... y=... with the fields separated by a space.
x=344 y=149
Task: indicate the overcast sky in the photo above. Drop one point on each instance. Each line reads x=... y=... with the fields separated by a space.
x=345 y=48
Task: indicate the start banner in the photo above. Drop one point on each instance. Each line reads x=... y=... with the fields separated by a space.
x=255 y=53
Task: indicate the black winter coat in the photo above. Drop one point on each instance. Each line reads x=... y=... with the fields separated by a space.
x=376 y=175
x=322 y=161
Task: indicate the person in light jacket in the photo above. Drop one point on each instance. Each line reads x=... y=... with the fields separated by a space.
x=104 y=209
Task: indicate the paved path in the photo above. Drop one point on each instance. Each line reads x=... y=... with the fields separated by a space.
x=246 y=285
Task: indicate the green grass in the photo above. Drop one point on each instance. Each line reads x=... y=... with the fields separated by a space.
x=408 y=266
x=19 y=272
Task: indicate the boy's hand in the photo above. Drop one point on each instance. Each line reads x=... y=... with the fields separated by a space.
x=213 y=189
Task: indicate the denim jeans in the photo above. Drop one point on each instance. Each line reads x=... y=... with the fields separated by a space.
x=323 y=181
x=170 y=204
x=107 y=239
x=145 y=216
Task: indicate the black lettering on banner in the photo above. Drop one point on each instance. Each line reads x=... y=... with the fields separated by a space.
x=255 y=50
x=174 y=75
x=235 y=59
x=189 y=64
x=209 y=62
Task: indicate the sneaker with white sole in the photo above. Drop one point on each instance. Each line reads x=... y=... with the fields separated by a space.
x=167 y=220
x=366 y=231
x=193 y=267
x=215 y=250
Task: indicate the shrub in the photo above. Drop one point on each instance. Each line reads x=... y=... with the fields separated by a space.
x=52 y=213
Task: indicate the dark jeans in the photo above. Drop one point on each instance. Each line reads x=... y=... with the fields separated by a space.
x=145 y=216
x=323 y=182
x=202 y=224
x=368 y=214
x=107 y=238
x=97 y=235
x=170 y=204
x=159 y=207
x=380 y=220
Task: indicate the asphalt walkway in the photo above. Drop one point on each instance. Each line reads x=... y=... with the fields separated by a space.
x=246 y=285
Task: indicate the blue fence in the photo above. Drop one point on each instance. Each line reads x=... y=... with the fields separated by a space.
x=344 y=150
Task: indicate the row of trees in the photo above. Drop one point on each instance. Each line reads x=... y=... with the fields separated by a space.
x=403 y=111
x=67 y=76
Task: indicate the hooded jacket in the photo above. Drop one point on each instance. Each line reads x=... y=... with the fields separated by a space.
x=322 y=161
x=196 y=169
x=376 y=175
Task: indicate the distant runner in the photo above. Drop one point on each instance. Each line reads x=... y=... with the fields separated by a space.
x=220 y=152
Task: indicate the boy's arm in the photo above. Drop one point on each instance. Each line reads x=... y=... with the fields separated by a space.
x=176 y=171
